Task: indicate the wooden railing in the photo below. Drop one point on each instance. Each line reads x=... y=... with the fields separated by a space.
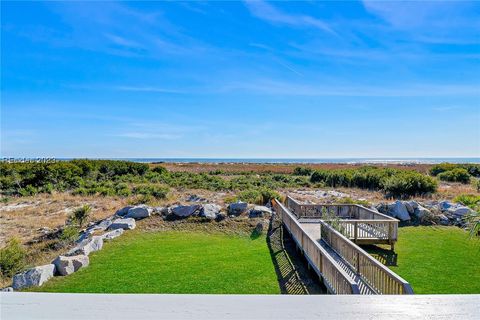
x=369 y=229
x=334 y=277
x=360 y=223
x=378 y=277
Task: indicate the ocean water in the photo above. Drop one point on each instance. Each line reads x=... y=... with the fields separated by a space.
x=307 y=161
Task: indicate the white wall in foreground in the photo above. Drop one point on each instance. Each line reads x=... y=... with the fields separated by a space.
x=109 y=306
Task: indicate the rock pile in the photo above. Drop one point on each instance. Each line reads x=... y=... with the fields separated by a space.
x=444 y=212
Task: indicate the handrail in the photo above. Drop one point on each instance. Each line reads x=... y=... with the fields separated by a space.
x=384 y=225
x=335 y=277
x=379 y=277
x=300 y=210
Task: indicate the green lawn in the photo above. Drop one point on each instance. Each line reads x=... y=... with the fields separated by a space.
x=175 y=262
x=438 y=260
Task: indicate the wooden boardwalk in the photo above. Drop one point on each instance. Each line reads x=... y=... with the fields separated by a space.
x=343 y=266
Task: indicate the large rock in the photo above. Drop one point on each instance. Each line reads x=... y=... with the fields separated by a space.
x=445 y=205
x=210 y=211
x=67 y=265
x=237 y=208
x=410 y=206
x=421 y=212
x=33 y=277
x=186 y=211
x=459 y=210
x=122 y=212
x=100 y=226
x=399 y=211
x=139 y=212
x=126 y=224
x=112 y=234
x=86 y=247
x=259 y=211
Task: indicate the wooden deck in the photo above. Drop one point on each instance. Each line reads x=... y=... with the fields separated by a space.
x=359 y=224
x=344 y=267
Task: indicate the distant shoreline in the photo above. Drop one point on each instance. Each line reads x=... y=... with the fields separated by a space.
x=352 y=161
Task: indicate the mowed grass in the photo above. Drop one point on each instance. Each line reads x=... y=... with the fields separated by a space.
x=175 y=262
x=438 y=260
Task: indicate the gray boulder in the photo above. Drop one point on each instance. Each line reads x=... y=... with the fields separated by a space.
x=126 y=224
x=421 y=212
x=237 y=208
x=86 y=247
x=186 y=211
x=122 y=212
x=259 y=211
x=409 y=207
x=459 y=210
x=101 y=226
x=444 y=205
x=6 y=289
x=67 y=265
x=139 y=212
x=443 y=220
x=399 y=211
x=33 y=277
x=210 y=211
x=112 y=234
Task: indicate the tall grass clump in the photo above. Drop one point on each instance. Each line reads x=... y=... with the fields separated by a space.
x=81 y=215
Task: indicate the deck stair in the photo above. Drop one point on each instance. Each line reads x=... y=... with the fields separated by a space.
x=333 y=253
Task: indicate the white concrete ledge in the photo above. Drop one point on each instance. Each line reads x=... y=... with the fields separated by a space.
x=109 y=306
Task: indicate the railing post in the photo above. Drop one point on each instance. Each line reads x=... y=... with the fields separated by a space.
x=355 y=231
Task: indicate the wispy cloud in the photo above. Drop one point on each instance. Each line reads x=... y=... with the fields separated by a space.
x=147 y=89
x=268 y=12
x=270 y=87
x=148 y=135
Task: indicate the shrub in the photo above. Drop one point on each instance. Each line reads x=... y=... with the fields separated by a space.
x=251 y=196
x=455 y=175
x=160 y=170
x=28 y=191
x=409 y=183
x=469 y=200
x=302 y=171
x=477 y=185
x=12 y=258
x=158 y=192
x=442 y=167
x=69 y=234
x=258 y=196
x=81 y=215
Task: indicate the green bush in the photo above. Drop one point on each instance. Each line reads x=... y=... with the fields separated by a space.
x=442 y=167
x=251 y=196
x=259 y=196
x=69 y=234
x=302 y=171
x=455 y=175
x=469 y=200
x=158 y=192
x=409 y=183
x=12 y=258
x=473 y=169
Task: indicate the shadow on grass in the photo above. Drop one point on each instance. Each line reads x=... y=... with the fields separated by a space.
x=291 y=267
x=385 y=256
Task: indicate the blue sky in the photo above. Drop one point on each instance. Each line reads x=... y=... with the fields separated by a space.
x=240 y=79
